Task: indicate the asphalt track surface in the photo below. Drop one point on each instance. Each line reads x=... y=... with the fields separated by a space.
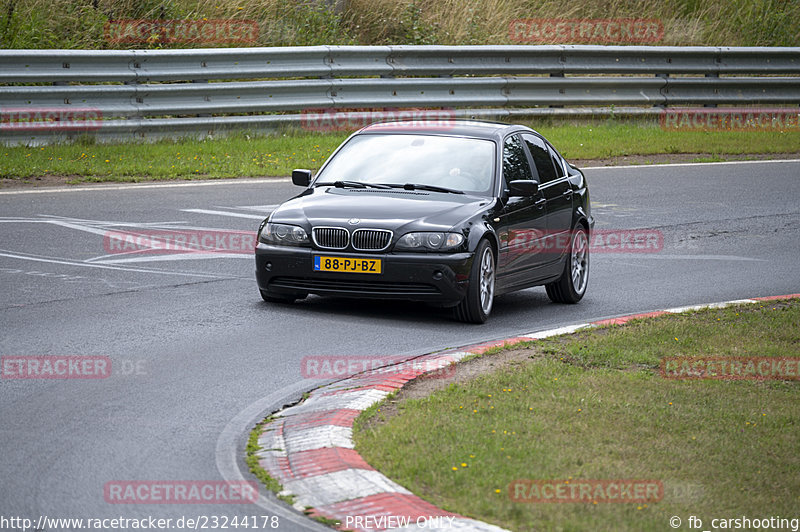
x=197 y=355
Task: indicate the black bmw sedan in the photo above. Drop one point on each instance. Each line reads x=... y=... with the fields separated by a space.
x=452 y=214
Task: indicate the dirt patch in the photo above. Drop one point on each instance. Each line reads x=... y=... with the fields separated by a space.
x=36 y=182
x=459 y=373
x=475 y=367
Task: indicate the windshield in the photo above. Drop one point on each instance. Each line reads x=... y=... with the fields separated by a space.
x=462 y=164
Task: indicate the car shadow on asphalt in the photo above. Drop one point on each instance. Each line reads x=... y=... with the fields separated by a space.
x=506 y=306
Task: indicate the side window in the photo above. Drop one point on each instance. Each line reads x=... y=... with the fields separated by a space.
x=557 y=161
x=541 y=158
x=515 y=162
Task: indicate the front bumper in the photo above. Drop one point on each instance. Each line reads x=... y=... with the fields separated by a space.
x=432 y=277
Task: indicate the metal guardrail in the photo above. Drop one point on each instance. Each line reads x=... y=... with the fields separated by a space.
x=29 y=66
x=154 y=93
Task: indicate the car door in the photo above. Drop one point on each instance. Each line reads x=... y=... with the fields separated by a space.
x=522 y=222
x=557 y=192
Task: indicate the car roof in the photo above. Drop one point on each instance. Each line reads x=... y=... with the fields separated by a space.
x=446 y=126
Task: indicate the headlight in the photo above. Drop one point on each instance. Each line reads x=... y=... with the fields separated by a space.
x=429 y=241
x=283 y=235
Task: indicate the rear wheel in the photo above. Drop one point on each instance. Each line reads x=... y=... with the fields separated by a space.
x=477 y=304
x=570 y=287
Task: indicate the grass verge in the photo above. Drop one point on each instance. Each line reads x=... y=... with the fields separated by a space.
x=252 y=460
x=255 y=156
x=80 y=25
x=593 y=406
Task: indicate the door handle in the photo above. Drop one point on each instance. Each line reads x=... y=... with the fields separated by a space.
x=567 y=194
x=540 y=203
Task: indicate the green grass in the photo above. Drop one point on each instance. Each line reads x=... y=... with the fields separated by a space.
x=251 y=458
x=737 y=331
x=80 y=24
x=242 y=155
x=611 y=139
x=234 y=156
x=593 y=406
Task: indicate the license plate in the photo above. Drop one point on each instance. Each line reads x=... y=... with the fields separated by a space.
x=345 y=265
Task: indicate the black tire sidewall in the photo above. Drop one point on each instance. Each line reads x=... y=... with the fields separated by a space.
x=474 y=294
x=563 y=290
x=574 y=296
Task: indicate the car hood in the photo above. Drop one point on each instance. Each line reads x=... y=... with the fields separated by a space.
x=396 y=210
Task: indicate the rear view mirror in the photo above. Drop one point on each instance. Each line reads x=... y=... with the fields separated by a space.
x=523 y=187
x=301 y=178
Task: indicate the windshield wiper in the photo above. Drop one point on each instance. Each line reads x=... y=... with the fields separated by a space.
x=420 y=186
x=352 y=184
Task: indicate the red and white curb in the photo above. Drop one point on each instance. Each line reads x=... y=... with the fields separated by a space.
x=309 y=447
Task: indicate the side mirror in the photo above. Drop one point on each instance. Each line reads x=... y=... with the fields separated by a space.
x=523 y=187
x=301 y=178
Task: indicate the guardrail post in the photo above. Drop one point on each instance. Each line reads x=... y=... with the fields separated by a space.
x=206 y=98
x=561 y=91
x=711 y=75
x=665 y=76
x=60 y=84
x=138 y=100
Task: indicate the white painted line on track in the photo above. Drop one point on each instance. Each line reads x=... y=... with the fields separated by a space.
x=256 y=208
x=24 y=220
x=226 y=213
x=111 y=222
x=678 y=165
x=191 y=255
x=167 y=226
x=79 y=227
x=554 y=332
x=689 y=308
x=105 y=267
x=99 y=227
x=628 y=256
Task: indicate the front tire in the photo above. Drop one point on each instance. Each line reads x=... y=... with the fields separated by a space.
x=570 y=287
x=477 y=304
